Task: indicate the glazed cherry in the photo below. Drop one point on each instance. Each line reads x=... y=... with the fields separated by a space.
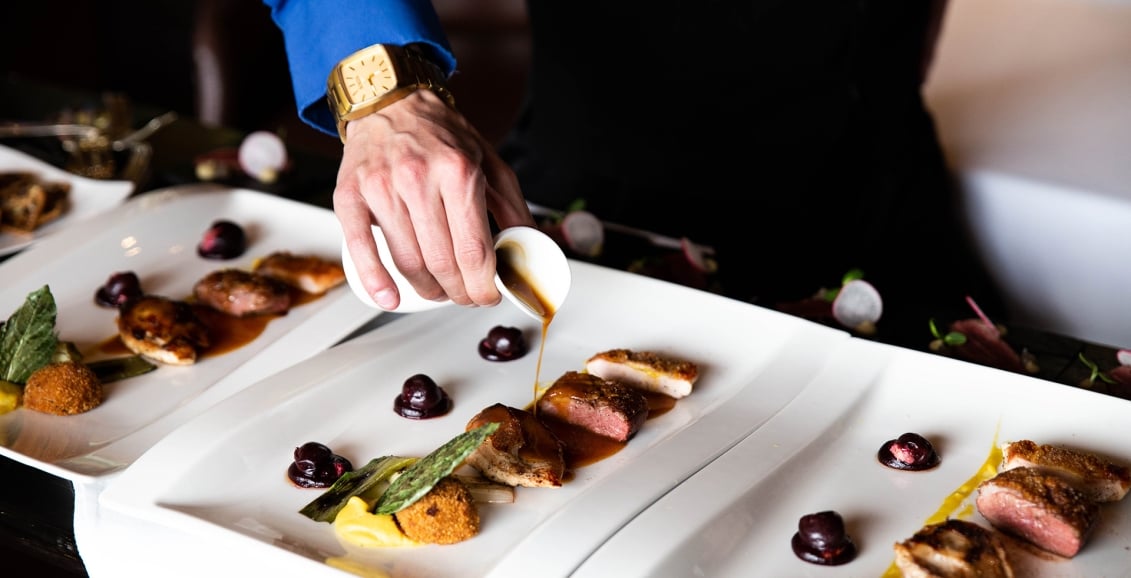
x=421 y=398
x=119 y=288
x=316 y=466
x=821 y=539
x=910 y=452
x=223 y=240
x=503 y=344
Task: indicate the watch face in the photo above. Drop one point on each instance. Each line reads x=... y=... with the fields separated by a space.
x=369 y=76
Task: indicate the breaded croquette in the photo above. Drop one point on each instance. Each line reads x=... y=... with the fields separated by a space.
x=445 y=515
x=63 y=388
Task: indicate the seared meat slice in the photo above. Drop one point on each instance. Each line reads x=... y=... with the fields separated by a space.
x=162 y=329
x=522 y=452
x=242 y=293
x=645 y=370
x=1100 y=479
x=604 y=407
x=1041 y=508
x=952 y=549
x=307 y=272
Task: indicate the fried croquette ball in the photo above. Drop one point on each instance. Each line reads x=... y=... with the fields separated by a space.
x=445 y=515
x=63 y=388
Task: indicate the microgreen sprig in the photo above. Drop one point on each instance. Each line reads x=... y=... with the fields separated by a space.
x=1096 y=373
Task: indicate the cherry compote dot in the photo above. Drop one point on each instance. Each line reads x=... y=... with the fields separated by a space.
x=421 y=398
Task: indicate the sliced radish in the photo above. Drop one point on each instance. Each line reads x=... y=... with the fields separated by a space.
x=698 y=256
x=583 y=233
x=858 y=305
x=1124 y=356
x=262 y=156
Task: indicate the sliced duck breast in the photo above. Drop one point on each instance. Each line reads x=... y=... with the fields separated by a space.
x=522 y=452
x=1041 y=508
x=606 y=408
x=953 y=549
x=645 y=370
x=1099 y=478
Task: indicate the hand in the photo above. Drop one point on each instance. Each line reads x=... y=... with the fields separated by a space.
x=420 y=170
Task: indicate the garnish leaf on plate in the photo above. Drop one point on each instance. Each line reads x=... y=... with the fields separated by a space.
x=421 y=476
x=119 y=368
x=326 y=506
x=27 y=339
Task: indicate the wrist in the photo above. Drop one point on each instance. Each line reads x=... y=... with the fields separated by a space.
x=379 y=75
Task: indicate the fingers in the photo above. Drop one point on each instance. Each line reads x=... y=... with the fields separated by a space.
x=503 y=195
x=353 y=216
x=422 y=173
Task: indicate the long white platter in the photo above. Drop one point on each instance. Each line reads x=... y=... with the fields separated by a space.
x=737 y=516
x=219 y=481
x=155 y=235
x=88 y=197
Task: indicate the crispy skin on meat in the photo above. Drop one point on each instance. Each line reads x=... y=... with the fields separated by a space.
x=604 y=407
x=242 y=293
x=1100 y=479
x=645 y=370
x=307 y=272
x=162 y=329
x=1041 y=508
x=445 y=515
x=63 y=388
x=522 y=452
x=952 y=549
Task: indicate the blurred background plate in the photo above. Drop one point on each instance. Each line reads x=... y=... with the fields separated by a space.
x=88 y=197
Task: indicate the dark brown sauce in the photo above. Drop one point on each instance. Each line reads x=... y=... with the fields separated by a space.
x=527 y=292
x=519 y=285
x=658 y=403
x=227 y=333
x=582 y=447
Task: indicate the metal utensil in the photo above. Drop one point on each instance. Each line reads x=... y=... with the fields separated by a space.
x=655 y=239
x=30 y=130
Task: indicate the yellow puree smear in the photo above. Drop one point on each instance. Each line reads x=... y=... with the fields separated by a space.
x=10 y=395
x=954 y=502
x=357 y=526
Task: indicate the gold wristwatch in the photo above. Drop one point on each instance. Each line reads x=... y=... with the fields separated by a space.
x=375 y=77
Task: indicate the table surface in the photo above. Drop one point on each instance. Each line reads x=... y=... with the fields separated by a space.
x=37 y=508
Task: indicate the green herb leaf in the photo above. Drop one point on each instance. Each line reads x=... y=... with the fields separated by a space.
x=1097 y=373
x=27 y=338
x=326 y=506
x=852 y=275
x=576 y=205
x=420 y=477
x=119 y=368
x=954 y=338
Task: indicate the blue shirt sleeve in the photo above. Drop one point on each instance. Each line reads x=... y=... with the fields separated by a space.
x=320 y=33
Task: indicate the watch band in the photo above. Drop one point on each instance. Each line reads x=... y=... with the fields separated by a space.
x=354 y=89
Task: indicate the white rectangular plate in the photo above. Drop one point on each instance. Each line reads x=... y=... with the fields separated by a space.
x=89 y=197
x=737 y=516
x=223 y=476
x=155 y=236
